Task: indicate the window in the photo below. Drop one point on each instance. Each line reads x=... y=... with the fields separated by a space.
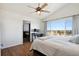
x=60 y=27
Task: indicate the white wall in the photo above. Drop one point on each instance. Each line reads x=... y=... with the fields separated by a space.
x=68 y=10
x=0 y=33
x=43 y=27
x=12 y=28
x=0 y=36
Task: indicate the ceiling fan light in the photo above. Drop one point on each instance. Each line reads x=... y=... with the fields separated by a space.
x=38 y=12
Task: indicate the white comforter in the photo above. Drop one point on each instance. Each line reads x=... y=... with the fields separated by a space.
x=55 y=46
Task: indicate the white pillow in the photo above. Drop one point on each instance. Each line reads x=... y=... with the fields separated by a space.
x=74 y=39
x=45 y=37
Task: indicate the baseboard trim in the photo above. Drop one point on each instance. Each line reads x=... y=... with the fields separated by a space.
x=4 y=47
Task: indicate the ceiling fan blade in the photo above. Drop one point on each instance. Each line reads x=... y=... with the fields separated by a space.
x=45 y=11
x=44 y=5
x=30 y=7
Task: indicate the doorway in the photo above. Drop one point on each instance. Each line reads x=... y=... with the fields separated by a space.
x=26 y=31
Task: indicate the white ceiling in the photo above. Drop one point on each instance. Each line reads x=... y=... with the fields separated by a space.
x=22 y=8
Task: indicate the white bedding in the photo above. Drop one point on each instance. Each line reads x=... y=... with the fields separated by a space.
x=56 y=46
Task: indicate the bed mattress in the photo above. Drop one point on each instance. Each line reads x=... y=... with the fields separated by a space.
x=56 y=46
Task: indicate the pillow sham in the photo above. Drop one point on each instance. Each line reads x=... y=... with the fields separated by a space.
x=74 y=39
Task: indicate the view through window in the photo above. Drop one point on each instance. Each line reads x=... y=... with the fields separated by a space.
x=60 y=27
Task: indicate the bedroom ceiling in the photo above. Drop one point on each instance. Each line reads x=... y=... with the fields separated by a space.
x=22 y=9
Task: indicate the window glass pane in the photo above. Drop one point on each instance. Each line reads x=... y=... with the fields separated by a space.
x=60 y=27
x=57 y=25
x=69 y=23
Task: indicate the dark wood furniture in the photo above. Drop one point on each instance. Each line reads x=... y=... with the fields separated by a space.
x=36 y=34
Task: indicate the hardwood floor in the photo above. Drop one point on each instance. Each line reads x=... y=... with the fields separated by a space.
x=19 y=50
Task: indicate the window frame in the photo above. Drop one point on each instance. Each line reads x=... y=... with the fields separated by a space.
x=65 y=29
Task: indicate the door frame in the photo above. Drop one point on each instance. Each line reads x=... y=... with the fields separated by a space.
x=28 y=22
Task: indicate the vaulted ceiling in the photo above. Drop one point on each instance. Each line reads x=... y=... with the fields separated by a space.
x=21 y=8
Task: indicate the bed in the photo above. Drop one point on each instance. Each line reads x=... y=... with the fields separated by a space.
x=55 y=46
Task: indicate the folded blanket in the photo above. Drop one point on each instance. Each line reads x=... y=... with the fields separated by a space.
x=54 y=38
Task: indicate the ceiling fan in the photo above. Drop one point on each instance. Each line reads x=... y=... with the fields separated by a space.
x=40 y=8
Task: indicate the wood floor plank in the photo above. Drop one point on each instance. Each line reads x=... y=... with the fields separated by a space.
x=19 y=50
